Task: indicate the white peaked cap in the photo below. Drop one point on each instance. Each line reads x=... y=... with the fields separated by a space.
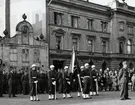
x=33 y=65
x=86 y=64
x=66 y=67
x=93 y=66
x=52 y=66
x=82 y=67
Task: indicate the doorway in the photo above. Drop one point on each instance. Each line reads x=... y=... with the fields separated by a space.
x=59 y=64
x=104 y=65
x=91 y=63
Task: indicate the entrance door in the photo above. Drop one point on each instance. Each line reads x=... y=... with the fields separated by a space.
x=104 y=65
x=91 y=63
x=120 y=65
x=58 y=64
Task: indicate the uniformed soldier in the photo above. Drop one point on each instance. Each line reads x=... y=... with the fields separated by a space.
x=42 y=81
x=1 y=83
x=52 y=78
x=86 y=81
x=12 y=82
x=66 y=83
x=123 y=80
x=60 y=81
x=25 y=83
x=33 y=80
x=94 y=80
x=81 y=82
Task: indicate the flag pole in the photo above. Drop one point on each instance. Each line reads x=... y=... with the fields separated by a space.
x=50 y=2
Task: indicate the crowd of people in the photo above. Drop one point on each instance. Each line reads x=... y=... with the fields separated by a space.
x=20 y=82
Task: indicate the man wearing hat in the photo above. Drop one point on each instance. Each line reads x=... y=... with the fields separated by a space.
x=86 y=81
x=66 y=83
x=33 y=80
x=94 y=80
x=52 y=78
x=123 y=80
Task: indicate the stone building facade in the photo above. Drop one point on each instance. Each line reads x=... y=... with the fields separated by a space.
x=101 y=35
x=24 y=49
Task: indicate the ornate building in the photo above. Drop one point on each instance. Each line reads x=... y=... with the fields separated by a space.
x=101 y=35
x=24 y=49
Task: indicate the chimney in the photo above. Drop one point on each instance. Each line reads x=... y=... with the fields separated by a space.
x=7 y=17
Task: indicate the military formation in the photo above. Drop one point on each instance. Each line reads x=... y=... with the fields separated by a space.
x=87 y=81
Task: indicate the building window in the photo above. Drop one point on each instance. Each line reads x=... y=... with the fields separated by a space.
x=74 y=21
x=130 y=30
x=90 y=24
x=104 y=46
x=121 y=26
x=57 y=18
x=104 y=26
x=91 y=45
x=13 y=55
x=121 y=47
x=25 y=55
x=58 y=42
x=36 y=55
x=75 y=43
x=129 y=47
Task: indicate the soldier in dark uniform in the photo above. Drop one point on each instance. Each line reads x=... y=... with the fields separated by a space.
x=33 y=80
x=123 y=80
x=94 y=80
x=1 y=83
x=12 y=82
x=60 y=81
x=42 y=81
x=86 y=81
x=52 y=78
x=66 y=83
x=80 y=87
x=25 y=83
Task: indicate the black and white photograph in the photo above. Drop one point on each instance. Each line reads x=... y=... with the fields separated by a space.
x=67 y=52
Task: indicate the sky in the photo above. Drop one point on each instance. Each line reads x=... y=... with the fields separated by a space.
x=32 y=7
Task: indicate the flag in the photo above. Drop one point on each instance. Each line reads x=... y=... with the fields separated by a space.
x=74 y=63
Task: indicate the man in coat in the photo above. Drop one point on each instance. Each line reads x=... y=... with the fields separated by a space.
x=123 y=80
x=12 y=82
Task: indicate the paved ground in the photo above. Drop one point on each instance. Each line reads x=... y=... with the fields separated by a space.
x=105 y=98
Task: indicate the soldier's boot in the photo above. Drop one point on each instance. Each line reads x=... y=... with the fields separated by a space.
x=37 y=99
x=31 y=98
x=78 y=94
x=91 y=93
x=64 y=96
x=49 y=97
x=94 y=93
x=53 y=97
x=84 y=96
x=69 y=96
x=87 y=96
x=34 y=98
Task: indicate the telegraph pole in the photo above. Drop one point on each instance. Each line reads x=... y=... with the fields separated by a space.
x=7 y=17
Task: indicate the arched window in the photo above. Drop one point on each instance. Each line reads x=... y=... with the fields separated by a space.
x=129 y=47
x=121 y=48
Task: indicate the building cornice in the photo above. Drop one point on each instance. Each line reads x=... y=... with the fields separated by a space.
x=83 y=5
